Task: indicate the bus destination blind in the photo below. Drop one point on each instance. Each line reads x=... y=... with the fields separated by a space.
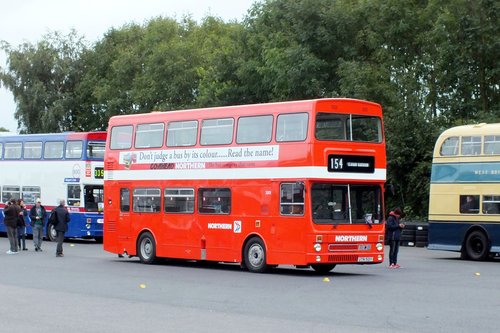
x=351 y=163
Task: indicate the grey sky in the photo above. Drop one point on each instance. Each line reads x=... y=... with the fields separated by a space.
x=29 y=20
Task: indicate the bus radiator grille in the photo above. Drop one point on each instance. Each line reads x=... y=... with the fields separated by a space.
x=343 y=258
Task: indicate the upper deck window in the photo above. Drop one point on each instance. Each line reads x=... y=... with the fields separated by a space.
x=217 y=131
x=492 y=145
x=13 y=150
x=74 y=149
x=348 y=127
x=53 y=149
x=292 y=127
x=256 y=129
x=450 y=146
x=149 y=135
x=33 y=150
x=95 y=149
x=121 y=137
x=182 y=133
x=471 y=145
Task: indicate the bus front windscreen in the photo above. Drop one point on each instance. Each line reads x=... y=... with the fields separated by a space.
x=95 y=150
x=348 y=127
x=345 y=204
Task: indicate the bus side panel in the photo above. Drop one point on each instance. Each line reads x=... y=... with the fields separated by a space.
x=179 y=236
x=446 y=236
x=85 y=225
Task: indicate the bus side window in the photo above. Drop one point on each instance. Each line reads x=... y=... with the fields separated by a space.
x=214 y=200
x=74 y=195
x=491 y=204
x=147 y=200
x=469 y=204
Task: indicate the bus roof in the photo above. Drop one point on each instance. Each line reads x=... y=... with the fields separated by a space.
x=264 y=108
x=100 y=136
x=475 y=129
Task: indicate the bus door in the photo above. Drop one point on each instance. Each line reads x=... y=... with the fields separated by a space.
x=120 y=214
x=180 y=229
x=214 y=208
x=290 y=227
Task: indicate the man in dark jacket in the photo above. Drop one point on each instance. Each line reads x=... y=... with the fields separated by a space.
x=61 y=219
x=394 y=228
x=38 y=214
x=11 y=212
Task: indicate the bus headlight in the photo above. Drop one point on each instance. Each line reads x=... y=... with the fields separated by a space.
x=379 y=246
x=317 y=247
x=318 y=258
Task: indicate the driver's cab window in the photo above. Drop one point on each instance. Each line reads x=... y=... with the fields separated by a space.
x=94 y=198
x=74 y=193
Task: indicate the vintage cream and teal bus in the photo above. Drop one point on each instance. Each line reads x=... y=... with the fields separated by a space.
x=464 y=205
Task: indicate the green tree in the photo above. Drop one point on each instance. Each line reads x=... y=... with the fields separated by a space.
x=43 y=78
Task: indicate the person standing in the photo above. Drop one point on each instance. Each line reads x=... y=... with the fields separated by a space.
x=38 y=214
x=60 y=221
x=21 y=225
x=394 y=228
x=11 y=213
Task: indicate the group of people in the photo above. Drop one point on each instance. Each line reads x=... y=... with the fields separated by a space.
x=17 y=219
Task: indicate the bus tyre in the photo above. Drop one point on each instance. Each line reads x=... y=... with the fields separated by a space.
x=146 y=248
x=323 y=268
x=476 y=246
x=51 y=232
x=255 y=255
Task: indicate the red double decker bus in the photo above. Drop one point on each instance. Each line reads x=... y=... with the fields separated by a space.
x=297 y=183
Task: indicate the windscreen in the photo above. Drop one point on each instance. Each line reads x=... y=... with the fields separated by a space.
x=95 y=150
x=348 y=204
x=94 y=198
x=348 y=127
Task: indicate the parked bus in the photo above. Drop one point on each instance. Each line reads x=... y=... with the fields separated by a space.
x=52 y=167
x=297 y=183
x=464 y=210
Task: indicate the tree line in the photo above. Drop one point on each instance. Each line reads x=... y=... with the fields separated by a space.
x=431 y=64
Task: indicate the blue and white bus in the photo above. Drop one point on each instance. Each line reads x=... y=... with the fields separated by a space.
x=52 y=167
x=464 y=202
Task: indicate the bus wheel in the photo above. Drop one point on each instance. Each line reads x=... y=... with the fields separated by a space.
x=146 y=248
x=51 y=232
x=255 y=256
x=323 y=268
x=476 y=246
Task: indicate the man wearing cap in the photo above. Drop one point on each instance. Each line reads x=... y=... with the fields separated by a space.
x=38 y=214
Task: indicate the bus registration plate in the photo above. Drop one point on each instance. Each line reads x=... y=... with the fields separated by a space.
x=365 y=259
